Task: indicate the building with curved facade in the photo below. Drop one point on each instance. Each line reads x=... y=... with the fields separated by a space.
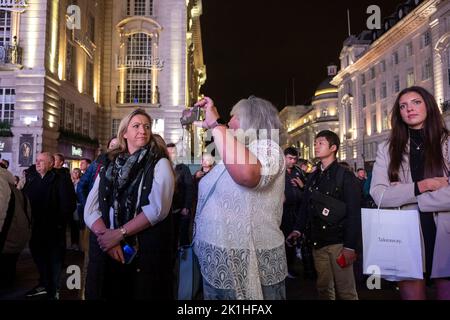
x=71 y=69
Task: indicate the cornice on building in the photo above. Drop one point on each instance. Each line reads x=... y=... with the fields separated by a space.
x=401 y=30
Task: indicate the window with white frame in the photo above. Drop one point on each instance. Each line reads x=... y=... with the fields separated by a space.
x=363 y=79
x=7 y=103
x=373 y=95
x=349 y=117
x=383 y=66
x=140 y=7
x=363 y=100
x=5 y=28
x=374 y=122
x=138 y=79
x=410 y=77
x=427 y=69
x=115 y=127
x=396 y=84
x=425 y=40
x=395 y=59
x=372 y=73
x=385 y=119
x=383 y=90
x=409 y=49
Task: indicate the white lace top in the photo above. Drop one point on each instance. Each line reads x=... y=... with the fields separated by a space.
x=238 y=239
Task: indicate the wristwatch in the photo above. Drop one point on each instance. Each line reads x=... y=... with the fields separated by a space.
x=218 y=122
x=123 y=231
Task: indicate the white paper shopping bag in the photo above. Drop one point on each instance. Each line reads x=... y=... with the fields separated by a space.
x=392 y=243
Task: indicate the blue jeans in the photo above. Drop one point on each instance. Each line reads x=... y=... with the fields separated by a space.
x=273 y=292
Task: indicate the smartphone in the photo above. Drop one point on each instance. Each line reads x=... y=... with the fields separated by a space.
x=341 y=261
x=128 y=253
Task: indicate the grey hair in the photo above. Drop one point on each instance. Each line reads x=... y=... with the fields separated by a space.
x=256 y=113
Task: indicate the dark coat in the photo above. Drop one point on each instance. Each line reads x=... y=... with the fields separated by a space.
x=348 y=230
x=53 y=202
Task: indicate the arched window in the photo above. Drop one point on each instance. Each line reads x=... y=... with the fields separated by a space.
x=139 y=53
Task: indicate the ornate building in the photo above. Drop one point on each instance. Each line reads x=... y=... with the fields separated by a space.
x=412 y=48
x=71 y=69
x=321 y=115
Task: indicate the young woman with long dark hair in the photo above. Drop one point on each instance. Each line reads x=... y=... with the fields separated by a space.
x=411 y=172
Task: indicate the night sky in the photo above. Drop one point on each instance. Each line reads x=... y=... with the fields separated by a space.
x=258 y=46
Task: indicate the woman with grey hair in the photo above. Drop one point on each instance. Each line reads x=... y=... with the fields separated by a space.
x=238 y=240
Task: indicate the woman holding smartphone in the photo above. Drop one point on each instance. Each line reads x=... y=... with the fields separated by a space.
x=411 y=172
x=127 y=211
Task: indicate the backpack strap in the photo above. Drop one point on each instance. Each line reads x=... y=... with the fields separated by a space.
x=339 y=180
x=8 y=219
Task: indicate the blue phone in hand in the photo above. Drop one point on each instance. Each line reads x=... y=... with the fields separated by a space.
x=128 y=253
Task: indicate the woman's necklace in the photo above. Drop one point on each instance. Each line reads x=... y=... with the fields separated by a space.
x=418 y=146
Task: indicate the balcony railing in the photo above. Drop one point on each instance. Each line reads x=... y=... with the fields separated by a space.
x=144 y=62
x=11 y=54
x=128 y=96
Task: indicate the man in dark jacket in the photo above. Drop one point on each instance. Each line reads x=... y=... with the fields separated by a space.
x=182 y=198
x=334 y=233
x=293 y=192
x=52 y=199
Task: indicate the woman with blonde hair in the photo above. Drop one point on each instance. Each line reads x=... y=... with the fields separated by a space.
x=128 y=210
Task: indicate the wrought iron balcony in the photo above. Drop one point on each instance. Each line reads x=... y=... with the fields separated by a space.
x=134 y=62
x=131 y=96
x=11 y=54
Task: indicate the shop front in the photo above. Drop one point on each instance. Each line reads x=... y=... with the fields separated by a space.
x=75 y=152
x=6 y=148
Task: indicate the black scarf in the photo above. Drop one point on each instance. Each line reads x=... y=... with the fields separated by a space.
x=123 y=177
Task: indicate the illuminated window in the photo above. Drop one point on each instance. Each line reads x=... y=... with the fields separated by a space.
x=396 y=84
x=138 y=78
x=385 y=120
x=410 y=77
x=140 y=7
x=115 y=127
x=427 y=69
x=7 y=103
x=5 y=28
x=409 y=49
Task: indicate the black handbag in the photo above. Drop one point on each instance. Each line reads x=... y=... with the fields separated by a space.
x=329 y=208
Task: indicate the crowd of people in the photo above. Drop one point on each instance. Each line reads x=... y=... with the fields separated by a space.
x=248 y=217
